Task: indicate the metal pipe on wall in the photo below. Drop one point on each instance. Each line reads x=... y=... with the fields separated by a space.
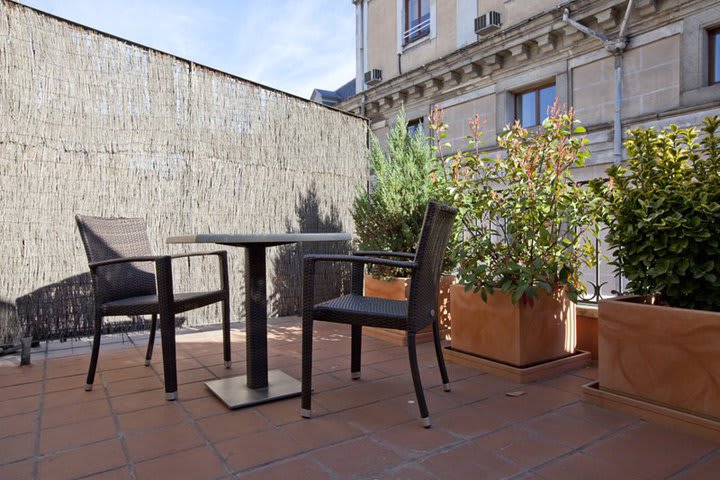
x=617 y=48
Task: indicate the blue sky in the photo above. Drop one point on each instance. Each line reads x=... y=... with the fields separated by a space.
x=292 y=45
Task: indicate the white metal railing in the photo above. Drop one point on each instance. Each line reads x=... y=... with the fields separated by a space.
x=419 y=30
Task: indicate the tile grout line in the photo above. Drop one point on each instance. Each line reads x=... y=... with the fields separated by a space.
x=208 y=443
x=583 y=447
x=120 y=433
x=700 y=461
x=38 y=420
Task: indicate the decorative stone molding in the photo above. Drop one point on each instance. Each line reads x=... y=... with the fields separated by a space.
x=416 y=91
x=471 y=70
x=400 y=96
x=647 y=7
x=492 y=63
x=520 y=52
x=452 y=78
x=572 y=34
x=433 y=85
x=386 y=102
x=607 y=19
x=546 y=42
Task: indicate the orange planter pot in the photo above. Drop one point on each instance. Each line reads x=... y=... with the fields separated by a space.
x=399 y=289
x=518 y=335
x=663 y=355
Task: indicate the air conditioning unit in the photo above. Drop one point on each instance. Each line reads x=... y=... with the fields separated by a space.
x=487 y=22
x=373 y=76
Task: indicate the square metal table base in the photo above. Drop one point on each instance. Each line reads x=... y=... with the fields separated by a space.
x=235 y=393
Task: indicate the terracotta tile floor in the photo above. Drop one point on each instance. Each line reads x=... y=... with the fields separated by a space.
x=50 y=428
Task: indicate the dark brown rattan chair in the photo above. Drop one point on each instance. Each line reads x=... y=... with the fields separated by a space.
x=420 y=310
x=124 y=283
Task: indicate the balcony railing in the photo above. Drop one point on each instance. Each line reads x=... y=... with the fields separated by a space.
x=416 y=32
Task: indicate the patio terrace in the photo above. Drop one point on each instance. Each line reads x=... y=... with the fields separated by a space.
x=50 y=428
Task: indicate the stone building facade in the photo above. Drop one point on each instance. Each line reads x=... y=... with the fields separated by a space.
x=419 y=53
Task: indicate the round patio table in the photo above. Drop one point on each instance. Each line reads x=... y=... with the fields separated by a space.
x=259 y=385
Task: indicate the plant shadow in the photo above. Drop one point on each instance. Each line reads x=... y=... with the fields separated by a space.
x=331 y=279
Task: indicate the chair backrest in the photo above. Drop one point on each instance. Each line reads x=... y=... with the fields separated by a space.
x=434 y=236
x=108 y=238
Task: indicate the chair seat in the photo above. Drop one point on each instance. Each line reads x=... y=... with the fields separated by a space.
x=147 y=304
x=366 y=311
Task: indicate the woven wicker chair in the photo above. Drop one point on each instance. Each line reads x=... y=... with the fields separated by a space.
x=420 y=310
x=123 y=271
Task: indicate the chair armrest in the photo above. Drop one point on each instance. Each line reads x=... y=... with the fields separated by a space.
x=357 y=261
x=113 y=261
x=198 y=254
x=222 y=263
x=163 y=262
x=311 y=259
x=380 y=253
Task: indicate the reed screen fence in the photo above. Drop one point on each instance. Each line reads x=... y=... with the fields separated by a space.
x=97 y=125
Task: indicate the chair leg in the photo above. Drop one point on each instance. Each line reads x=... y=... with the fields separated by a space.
x=226 y=332
x=440 y=357
x=151 y=339
x=307 y=332
x=95 y=352
x=355 y=350
x=167 y=336
x=415 y=371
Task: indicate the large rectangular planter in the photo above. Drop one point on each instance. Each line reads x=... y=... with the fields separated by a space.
x=587 y=329
x=515 y=334
x=399 y=289
x=664 y=355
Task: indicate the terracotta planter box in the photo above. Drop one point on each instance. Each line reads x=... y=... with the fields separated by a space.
x=399 y=289
x=663 y=355
x=587 y=329
x=514 y=334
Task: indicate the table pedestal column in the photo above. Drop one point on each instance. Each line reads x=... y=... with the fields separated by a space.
x=259 y=385
x=256 y=317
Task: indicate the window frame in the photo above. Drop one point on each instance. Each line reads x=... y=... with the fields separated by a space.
x=517 y=95
x=713 y=36
x=422 y=32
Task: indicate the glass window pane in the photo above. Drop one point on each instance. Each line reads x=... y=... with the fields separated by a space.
x=415 y=126
x=412 y=12
x=527 y=112
x=547 y=100
x=425 y=9
x=715 y=61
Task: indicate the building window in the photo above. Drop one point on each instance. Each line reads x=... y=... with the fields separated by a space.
x=417 y=20
x=531 y=106
x=415 y=126
x=714 y=55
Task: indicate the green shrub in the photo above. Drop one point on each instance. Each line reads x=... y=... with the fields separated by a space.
x=525 y=219
x=389 y=217
x=664 y=214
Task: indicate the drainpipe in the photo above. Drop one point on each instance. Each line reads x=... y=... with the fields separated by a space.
x=360 y=44
x=617 y=48
x=620 y=46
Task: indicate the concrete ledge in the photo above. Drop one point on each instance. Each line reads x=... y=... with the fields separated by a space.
x=693 y=424
x=517 y=374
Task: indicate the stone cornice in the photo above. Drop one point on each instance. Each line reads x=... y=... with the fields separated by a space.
x=543 y=35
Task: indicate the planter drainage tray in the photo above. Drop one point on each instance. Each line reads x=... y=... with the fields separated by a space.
x=693 y=424
x=520 y=374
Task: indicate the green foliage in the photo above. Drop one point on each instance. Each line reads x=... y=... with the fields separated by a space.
x=526 y=221
x=664 y=214
x=389 y=217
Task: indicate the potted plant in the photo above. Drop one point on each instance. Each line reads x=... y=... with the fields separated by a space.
x=528 y=228
x=389 y=215
x=662 y=345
